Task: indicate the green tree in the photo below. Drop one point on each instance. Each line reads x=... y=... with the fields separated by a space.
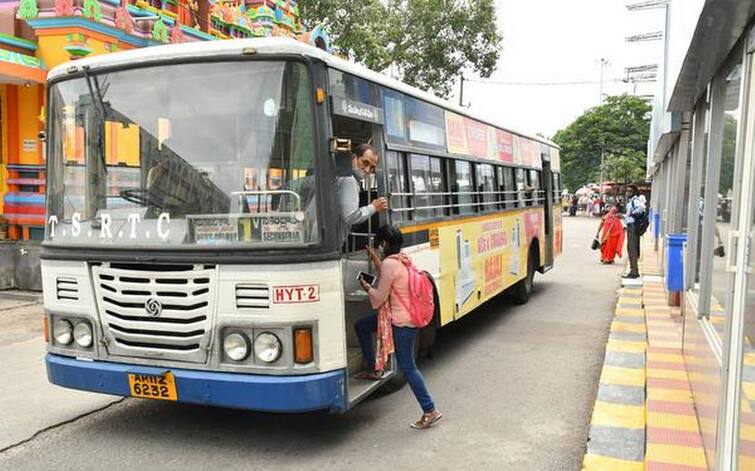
x=619 y=128
x=428 y=42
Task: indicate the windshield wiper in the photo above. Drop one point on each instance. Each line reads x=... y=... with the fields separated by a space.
x=100 y=107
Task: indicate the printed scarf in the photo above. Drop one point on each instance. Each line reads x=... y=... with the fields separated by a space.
x=384 y=336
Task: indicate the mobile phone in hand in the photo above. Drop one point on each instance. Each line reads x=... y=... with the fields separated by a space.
x=367 y=277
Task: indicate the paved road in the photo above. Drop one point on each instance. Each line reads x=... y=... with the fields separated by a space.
x=28 y=402
x=516 y=385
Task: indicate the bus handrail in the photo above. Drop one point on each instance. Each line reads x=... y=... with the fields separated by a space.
x=453 y=193
x=243 y=193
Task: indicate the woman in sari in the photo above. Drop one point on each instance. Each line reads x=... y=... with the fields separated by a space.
x=611 y=236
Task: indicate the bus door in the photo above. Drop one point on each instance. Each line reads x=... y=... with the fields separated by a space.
x=373 y=186
x=359 y=123
x=547 y=189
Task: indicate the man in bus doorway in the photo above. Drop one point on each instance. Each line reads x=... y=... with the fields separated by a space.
x=635 y=206
x=364 y=162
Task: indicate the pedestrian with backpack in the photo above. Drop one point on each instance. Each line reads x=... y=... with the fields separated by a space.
x=403 y=298
x=636 y=220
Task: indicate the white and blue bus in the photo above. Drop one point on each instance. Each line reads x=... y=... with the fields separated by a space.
x=192 y=248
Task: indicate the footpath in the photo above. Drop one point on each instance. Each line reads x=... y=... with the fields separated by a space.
x=28 y=402
x=644 y=417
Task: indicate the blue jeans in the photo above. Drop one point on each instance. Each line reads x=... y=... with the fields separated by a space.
x=403 y=339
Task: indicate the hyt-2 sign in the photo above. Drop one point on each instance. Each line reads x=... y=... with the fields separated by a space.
x=296 y=294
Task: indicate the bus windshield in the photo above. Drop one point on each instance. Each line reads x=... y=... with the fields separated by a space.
x=214 y=154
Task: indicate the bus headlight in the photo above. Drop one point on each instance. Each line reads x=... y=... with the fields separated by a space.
x=82 y=333
x=236 y=346
x=267 y=347
x=63 y=332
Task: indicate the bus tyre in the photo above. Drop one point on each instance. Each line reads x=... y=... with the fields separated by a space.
x=398 y=381
x=428 y=334
x=393 y=384
x=523 y=289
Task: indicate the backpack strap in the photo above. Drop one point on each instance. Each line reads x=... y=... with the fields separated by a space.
x=404 y=303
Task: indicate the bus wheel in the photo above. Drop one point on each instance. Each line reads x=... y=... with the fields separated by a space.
x=428 y=334
x=393 y=384
x=426 y=340
x=399 y=380
x=521 y=292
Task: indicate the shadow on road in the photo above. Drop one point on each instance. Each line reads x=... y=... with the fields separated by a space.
x=488 y=317
x=237 y=430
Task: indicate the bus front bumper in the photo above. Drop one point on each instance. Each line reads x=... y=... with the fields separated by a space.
x=242 y=391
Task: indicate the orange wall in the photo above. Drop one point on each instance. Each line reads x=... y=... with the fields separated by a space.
x=51 y=44
x=29 y=108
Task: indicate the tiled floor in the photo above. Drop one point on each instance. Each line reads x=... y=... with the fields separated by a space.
x=644 y=417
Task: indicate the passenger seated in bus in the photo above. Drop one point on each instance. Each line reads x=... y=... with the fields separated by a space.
x=364 y=162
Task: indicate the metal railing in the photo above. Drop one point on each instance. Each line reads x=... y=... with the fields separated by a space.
x=538 y=198
x=266 y=193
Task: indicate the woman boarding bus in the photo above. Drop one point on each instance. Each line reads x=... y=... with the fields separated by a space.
x=192 y=251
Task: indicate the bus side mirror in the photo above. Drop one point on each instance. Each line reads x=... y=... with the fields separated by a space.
x=340 y=146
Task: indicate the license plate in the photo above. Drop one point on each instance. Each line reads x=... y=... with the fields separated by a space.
x=153 y=386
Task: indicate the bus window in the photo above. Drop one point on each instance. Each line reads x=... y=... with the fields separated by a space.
x=509 y=187
x=462 y=188
x=533 y=188
x=427 y=124
x=395 y=116
x=486 y=187
x=521 y=186
x=354 y=88
x=397 y=186
x=427 y=183
x=438 y=180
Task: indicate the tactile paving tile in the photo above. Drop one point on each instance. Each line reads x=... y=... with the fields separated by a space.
x=673 y=438
x=646 y=335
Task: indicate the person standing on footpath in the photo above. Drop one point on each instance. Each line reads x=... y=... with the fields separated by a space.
x=635 y=206
x=610 y=236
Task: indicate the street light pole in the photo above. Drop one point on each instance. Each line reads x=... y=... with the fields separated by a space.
x=461 y=92
x=603 y=64
x=602 y=157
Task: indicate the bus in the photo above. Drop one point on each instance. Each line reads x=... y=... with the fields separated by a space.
x=193 y=250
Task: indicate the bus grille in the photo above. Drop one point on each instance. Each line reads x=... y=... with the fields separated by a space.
x=153 y=312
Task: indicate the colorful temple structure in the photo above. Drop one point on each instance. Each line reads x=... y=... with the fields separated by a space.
x=36 y=35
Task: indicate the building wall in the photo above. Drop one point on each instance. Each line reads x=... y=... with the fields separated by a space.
x=54 y=37
x=28 y=109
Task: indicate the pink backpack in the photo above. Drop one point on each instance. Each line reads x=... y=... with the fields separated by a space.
x=421 y=304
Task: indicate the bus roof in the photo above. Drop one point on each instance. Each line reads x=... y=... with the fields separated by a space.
x=277 y=45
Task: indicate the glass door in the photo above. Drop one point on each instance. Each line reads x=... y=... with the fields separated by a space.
x=743 y=330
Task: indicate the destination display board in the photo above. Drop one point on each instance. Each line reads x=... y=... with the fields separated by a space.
x=247 y=228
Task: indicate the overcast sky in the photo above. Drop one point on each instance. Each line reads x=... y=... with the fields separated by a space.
x=557 y=41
